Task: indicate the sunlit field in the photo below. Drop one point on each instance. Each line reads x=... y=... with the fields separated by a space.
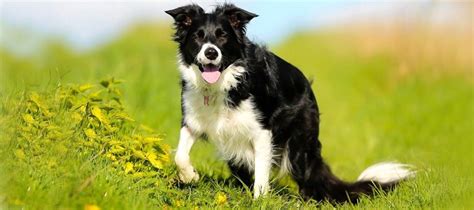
x=98 y=128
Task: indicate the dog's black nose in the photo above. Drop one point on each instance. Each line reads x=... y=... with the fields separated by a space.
x=211 y=53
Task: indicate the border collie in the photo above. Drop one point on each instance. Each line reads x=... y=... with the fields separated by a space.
x=258 y=109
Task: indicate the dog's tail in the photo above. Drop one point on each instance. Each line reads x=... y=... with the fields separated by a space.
x=382 y=176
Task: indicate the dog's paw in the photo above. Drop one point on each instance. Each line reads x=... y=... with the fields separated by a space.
x=188 y=175
x=260 y=190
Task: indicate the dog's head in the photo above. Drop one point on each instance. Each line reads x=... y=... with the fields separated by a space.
x=212 y=41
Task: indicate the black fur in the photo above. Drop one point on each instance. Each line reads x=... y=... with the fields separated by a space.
x=281 y=93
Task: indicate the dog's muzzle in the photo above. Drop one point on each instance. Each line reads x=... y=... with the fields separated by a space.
x=209 y=58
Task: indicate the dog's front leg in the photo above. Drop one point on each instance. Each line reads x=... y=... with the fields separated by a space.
x=186 y=171
x=263 y=162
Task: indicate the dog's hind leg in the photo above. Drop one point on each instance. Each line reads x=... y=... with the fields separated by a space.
x=307 y=167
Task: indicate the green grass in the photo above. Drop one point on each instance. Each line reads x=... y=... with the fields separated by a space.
x=369 y=114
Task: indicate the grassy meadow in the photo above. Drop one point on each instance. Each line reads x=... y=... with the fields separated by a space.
x=390 y=97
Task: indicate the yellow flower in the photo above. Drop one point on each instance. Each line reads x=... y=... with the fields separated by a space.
x=90 y=133
x=221 y=198
x=20 y=154
x=128 y=167
x=178 y=203
x=91 y=207
x=28 y=118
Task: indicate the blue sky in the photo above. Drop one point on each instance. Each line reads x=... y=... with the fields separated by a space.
x=85 y=23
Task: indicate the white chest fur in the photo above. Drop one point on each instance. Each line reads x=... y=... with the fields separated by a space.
x=232 y=130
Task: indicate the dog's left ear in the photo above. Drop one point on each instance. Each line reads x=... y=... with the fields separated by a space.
x=238 y=18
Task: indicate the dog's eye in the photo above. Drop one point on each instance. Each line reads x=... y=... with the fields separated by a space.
x=220 y=33
x=200 y=34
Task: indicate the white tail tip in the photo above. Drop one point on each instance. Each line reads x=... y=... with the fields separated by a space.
x=387 y=172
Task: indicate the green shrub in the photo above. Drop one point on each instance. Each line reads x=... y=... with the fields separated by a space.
x=87 y=118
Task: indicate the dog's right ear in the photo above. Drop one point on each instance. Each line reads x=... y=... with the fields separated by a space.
x=185 y=15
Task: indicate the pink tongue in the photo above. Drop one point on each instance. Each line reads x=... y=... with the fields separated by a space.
x=211 y=74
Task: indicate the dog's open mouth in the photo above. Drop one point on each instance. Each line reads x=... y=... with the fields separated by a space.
x=210 y=73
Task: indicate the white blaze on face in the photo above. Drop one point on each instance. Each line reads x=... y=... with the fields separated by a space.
x=201 y=57
x=210 y=73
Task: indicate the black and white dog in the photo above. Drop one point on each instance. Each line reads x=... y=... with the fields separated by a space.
x=257 y=109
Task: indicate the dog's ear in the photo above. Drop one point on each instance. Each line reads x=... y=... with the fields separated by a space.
x=238 y=18
x=185 y=15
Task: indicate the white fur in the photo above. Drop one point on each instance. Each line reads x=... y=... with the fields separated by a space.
x=233 y=131
x=236 y=132
x=201 y=57
x=263 y=161
x=386 y=172
x=187 y=173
